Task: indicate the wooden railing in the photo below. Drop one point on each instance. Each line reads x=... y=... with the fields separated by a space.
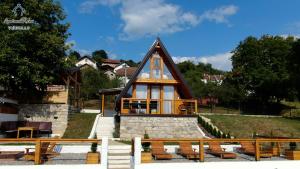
x=38 y=143
x=158 y=106
x=201 y=142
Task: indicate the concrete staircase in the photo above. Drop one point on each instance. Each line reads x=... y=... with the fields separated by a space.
x=105 y=127
x=119 y=157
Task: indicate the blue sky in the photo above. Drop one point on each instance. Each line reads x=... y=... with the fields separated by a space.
x=197 y=30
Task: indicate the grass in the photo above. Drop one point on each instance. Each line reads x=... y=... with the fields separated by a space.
x=80 y=125
x=244 y=126
x=218 y=110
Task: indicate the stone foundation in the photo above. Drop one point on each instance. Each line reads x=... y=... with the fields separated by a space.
x=159 y=127
x=55 y=113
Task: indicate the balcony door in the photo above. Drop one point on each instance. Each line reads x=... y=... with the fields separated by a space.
x=168 y=99
x=155 y=99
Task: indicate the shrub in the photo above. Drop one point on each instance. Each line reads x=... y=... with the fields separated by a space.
x=224 y=135
x=219 y=134
x=146 y=146
x=228 y=135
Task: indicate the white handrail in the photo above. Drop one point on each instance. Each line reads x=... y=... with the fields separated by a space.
x=93 y=131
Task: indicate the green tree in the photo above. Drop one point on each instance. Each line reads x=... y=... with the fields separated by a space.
x=30 y=59
x=92 y=81
x=294 y=66
x=98 y=55
x=71 y=59
x=260 y=67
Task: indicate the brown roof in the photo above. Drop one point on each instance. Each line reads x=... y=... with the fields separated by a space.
x=129 y=71
x=111 y=61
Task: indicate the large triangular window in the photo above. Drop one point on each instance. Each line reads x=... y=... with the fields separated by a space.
x=167 y=74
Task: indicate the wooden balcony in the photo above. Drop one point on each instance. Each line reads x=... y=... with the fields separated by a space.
x=133 y=106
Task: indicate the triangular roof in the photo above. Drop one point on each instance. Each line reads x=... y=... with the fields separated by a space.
x=159 y=46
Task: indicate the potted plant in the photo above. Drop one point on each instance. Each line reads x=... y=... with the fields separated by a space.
x=93 y=157
x=292 y=153
x=275 y=150
x=146 y=154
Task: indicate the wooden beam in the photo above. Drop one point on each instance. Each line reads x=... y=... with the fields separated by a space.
x=201 y=151
x=37 y=153
x=158 y=81
x=257 y=150
x=102 y=104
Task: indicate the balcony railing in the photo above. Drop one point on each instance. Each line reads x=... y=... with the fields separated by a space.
x=158 y=106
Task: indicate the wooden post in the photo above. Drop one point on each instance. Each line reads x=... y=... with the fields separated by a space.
x=257 y=150
x=37 y=154
x=102 y=104
x=196 y=107
x=201 y=151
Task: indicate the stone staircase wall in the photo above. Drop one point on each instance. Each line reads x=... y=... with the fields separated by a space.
x=58 y=114
x=159 y=127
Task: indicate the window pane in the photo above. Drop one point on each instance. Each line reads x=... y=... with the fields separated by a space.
x=145 y=72
x=141 y=91
x=167 y=74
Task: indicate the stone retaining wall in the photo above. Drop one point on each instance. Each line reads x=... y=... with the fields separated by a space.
x=55 y=113
x=159 y=127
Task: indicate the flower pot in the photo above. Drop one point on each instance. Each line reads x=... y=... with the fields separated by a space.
x=93 y=158
x=292 y=154
x=146 y=157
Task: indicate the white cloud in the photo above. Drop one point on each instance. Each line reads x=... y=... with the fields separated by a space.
x=89 y=5
x=219 y=61
x=219 y=15
x=145 y=18
x=84 y=52
x=289 y=35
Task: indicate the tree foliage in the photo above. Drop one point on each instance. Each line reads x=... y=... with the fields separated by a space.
x=260 y=66
x=93 y=80
x=30 y=59
x=98 y=55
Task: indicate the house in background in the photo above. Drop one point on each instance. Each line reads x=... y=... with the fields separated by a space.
x=212 y=78
x=86 y=62
x=110 y=62
x=125 y=74
x=157 y=100
x=121 y=66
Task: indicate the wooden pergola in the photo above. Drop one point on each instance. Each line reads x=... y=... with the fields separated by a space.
x=107 y=92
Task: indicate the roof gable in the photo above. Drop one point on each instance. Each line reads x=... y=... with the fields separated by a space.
x=159 y=47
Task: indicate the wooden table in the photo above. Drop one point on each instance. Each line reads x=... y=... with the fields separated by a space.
x=26 y=129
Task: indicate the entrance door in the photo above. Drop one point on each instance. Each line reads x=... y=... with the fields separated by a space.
x=168 y=99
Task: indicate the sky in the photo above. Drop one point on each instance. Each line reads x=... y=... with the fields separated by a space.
x=196 y=30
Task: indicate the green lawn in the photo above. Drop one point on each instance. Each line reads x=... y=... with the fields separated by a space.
x=244 y=126
x=80 y=125
x=218 y=110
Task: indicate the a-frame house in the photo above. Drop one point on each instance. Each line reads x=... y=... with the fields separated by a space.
x=156 y=88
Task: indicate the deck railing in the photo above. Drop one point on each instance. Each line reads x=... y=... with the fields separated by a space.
x=158 y=106
x=38 y=143
x=261 y=145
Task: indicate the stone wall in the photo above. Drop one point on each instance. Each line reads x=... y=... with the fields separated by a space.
x=159 y=127
x=55 y=113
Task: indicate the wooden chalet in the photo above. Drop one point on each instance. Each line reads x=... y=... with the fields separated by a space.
x=156 y=88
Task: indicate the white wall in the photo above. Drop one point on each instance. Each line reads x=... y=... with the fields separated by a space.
x=224 y=165
x=86 y=61
x=79 y=166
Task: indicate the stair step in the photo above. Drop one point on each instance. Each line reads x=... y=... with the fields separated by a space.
x=110 y=162
x=119 y=147
x=119 y=166
x=127 y=157
x=119 y=151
